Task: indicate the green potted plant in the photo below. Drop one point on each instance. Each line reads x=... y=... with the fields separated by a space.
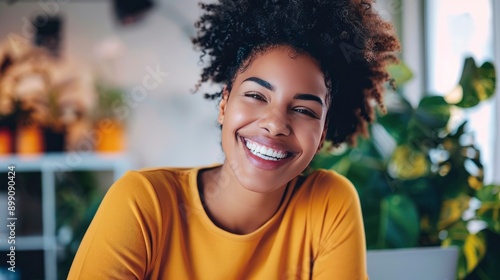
x=420 y=176
x=106 y=121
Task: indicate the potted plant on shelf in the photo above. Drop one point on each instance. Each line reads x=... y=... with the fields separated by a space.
x=25 y=88
x=45 y=102
x=420 y=176
x=107 y=121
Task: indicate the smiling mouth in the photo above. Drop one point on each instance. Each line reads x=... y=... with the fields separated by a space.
x=264 y=152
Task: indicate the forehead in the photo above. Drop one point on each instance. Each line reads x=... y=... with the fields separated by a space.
x=285 y=68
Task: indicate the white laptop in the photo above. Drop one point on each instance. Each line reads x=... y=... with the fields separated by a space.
x=429 y=263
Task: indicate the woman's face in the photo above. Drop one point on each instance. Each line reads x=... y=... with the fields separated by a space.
x=273 y=120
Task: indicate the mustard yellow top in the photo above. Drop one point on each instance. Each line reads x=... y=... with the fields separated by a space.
x=152 y=225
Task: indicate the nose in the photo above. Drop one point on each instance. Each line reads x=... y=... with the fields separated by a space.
x=275 y=123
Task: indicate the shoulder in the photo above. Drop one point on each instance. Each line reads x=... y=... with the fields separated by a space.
x=153 y=183
x=167 y=175
x=160 y=175
x=325 y=192
x=329 y=184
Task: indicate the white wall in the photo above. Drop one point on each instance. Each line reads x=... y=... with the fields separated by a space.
x=171 y=126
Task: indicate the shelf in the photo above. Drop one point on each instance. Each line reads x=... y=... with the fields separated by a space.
x=29 y=243
x=71 y=161
x=48 y=188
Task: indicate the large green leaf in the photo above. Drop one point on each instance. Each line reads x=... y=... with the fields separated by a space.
x=452 y=210
x=472 y=247
x=326 y=160
x=490 y=206
x=433 y=112
x=400 y=72
x=454 y=177
x=344 y=159
x=477 y=84
x=427 y=197
x=408 y=163
x=488 y=266
x=399 y=113
x=399 y=222
x=427 y=121
x=370 y=198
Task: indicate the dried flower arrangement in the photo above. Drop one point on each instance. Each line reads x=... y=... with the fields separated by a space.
x=47 y=100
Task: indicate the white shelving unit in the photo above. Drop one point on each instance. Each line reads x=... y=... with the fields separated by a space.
x=49 y=166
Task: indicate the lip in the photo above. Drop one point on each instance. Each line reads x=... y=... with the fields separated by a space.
x=262 y=163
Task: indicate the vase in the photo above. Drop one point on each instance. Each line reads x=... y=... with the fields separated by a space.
x=29 y=140
x=113 y=136
x=6 y=141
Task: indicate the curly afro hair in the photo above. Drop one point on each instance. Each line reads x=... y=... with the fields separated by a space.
x=350 y=41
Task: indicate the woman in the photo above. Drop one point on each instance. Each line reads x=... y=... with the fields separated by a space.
x=293 y=74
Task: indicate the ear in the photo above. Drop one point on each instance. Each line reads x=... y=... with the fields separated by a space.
x=323 y=137
x=222 y=105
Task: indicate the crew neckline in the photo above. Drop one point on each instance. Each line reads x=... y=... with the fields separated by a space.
x=205 y=219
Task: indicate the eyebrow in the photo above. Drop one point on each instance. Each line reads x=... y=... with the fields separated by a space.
x=299 y=96
x=308 y=96
x=261 y=82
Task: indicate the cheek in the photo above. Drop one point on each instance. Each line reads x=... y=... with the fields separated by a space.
x=310 y=136
x=237 y=116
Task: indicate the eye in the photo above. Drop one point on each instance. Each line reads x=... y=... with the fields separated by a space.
x=255 y=95
x=306 y=112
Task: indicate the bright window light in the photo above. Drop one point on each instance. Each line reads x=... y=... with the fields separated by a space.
x=456 y=29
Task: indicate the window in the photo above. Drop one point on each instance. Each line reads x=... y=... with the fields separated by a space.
x=456 y=29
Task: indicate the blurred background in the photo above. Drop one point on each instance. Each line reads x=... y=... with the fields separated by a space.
x=139 y=53
x=90 y=89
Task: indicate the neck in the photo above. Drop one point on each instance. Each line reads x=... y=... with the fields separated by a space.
x=234 y=208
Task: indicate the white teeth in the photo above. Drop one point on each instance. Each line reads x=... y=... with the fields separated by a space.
x=264 y=152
